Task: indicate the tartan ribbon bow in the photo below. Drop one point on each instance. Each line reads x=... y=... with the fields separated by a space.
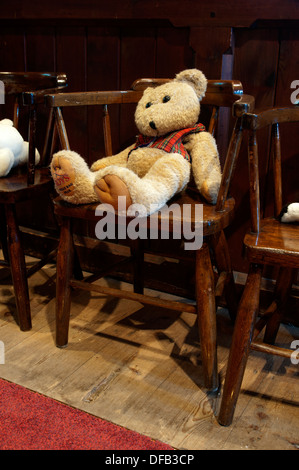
x=171 y=143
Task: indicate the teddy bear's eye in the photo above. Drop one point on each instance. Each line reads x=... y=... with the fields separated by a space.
x=148 y=104
x=166 y=98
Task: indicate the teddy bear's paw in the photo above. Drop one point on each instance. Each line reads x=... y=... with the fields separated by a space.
x=63 y=175
x=109 y=188
x=209 y=192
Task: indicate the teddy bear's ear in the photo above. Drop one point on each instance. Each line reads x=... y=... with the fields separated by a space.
x=196 y=79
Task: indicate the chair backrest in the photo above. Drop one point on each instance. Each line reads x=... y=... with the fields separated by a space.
x=29 y=88
x=220 y=93
x=254 y=122
x=16 y=83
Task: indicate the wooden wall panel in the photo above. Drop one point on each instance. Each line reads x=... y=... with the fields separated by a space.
x=12 y=55
x=11 y=58
x=103 y=73
x=189 y=12
x=40 y=48
x=71 y=60
x=174 y=53
x=209 y=46
x=137 y=60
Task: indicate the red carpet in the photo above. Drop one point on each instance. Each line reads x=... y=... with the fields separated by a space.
x=30 y=421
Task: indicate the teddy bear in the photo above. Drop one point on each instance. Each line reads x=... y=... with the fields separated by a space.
x=171 y=144
x=14 y=150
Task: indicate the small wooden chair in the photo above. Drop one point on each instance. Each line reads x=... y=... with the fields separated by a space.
x=23 y=184
x=215 y=219
x=269 y=242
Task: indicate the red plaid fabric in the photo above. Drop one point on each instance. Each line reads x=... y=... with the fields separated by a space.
x=172 y=142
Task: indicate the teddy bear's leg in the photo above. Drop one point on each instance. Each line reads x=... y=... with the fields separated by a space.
x=72 y=177
x=109 y=188
x=166 y=177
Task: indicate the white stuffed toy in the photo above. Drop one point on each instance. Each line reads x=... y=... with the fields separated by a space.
x=290 y=213
x=158 y=166
x=14 y=150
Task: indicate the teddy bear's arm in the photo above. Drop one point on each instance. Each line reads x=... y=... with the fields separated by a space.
x=205 y=164
x=119 y=159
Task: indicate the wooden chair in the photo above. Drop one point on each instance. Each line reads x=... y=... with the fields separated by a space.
x=215 y=219
x=269 y=242
x=23 y=184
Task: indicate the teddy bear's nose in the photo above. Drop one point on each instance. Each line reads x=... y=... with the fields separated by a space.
x=152 y=125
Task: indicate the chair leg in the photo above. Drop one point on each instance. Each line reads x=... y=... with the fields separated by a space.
x=240 y=346
x=3 y=234
x=206 y=311
x=18 y=268
x=64 y=269
x=285 y=280
x=138 y=259
x=223 y=261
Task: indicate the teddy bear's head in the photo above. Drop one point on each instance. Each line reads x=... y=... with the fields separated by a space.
x=172 y=106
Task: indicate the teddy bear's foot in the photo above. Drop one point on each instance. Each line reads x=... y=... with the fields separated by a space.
x=72 y=177
x=110 y=188
x=63 y=175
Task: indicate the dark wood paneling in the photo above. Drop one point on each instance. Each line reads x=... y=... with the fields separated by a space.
x=189 y=12
x=173 y=51
x=137 y=59
x=40 y=48
x=71 y=59
x=103 y=73
x=12 y=58
x=209 y=45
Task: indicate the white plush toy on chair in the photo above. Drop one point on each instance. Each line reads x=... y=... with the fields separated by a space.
x=14 y=150
x=290 y=213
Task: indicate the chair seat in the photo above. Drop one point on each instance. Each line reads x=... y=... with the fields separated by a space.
x=14 y=187
x=213 y=221
x=276 y=244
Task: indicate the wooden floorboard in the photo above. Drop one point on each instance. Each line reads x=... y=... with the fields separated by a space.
x=140 y=367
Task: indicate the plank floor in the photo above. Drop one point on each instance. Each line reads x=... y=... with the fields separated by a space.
x=139 y=367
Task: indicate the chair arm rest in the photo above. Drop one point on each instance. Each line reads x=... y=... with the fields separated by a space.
x=86 y=98
x=271 y=115
x=245 y=104
x=38 y=96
